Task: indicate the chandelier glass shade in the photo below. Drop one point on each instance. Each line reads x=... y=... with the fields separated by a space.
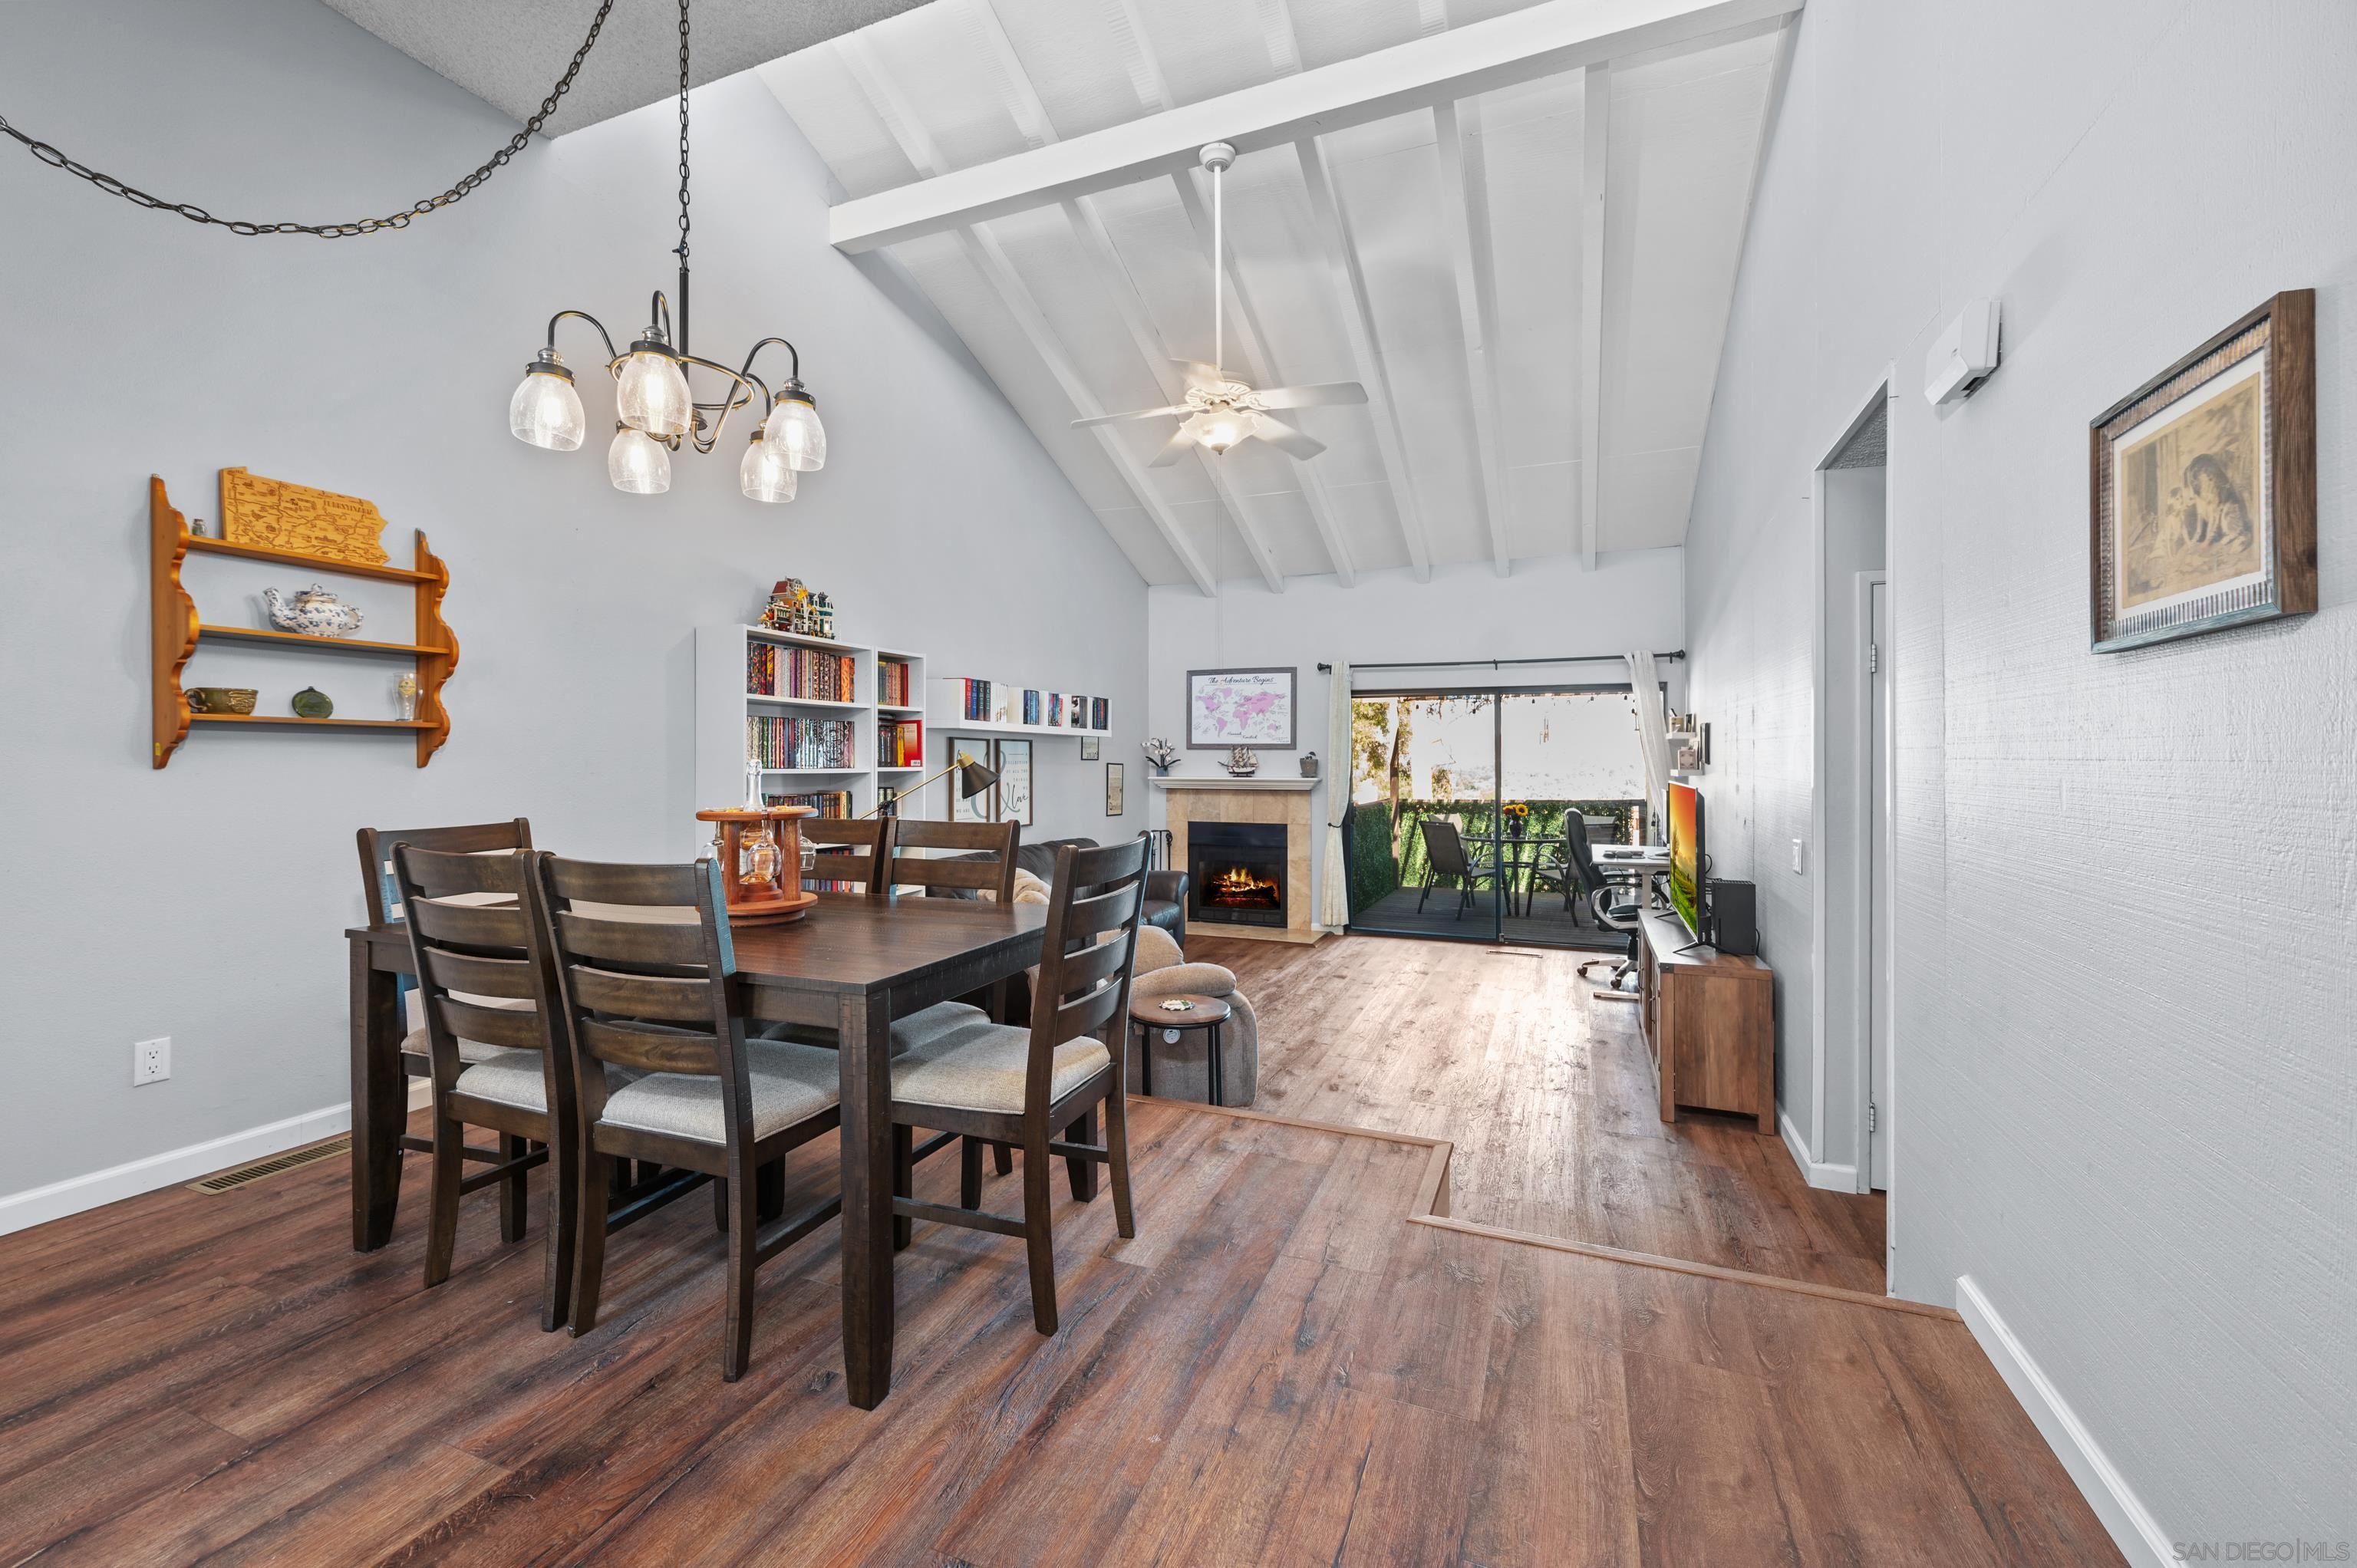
x=651 y=390
x=546 y=410
x=637 y=463
x=765 y=475
x=795 y=432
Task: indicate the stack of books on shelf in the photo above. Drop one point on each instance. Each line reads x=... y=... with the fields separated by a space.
x=778 y=742
x=896 y=684
x=808 y=673
x=830 y=803
x=901 y=742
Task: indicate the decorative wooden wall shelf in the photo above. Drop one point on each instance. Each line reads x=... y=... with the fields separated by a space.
x=177 y=630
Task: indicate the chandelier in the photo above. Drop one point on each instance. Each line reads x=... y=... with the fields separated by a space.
x=654 y=409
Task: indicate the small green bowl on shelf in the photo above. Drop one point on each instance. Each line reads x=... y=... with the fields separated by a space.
x=311 y=702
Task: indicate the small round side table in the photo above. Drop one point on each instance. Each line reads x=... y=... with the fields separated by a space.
x=1148 y=1015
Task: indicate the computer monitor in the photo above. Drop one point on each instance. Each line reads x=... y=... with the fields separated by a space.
x=1687 y=861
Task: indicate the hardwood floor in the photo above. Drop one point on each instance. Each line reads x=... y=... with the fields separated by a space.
x=1548 y=1097
x=1279 y=1369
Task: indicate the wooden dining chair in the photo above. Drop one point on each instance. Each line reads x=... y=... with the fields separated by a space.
x=494 y=1056
x=993 y=1082
x=383 y=903
x=850 y=851
x=984 y=863
x=653 y=1013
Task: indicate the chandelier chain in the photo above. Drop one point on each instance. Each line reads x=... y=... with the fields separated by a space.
x=683 y=131
x=195 y=214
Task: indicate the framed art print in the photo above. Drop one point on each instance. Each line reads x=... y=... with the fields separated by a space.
x=1014 y=765
x=1227 y=708
x=1090 y=748
x=982 y=808
x=2203 y=489
x=1115 y=798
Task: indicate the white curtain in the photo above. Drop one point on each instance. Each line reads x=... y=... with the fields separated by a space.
x=1652 y=734
x=1334 y=892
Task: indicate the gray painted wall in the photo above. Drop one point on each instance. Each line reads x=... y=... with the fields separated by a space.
x=2125 y=1071
x=206 y=901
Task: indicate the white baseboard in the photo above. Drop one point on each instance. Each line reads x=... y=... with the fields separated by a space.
x=1835 y=1178
x=37 y=1206
x=2132 y=1529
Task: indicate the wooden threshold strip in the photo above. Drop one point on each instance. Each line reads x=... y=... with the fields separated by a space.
x=1431 y=1208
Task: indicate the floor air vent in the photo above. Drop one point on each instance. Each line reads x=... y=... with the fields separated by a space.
x=254 y=1170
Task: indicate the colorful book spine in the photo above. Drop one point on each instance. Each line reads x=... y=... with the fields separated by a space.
x=901 y=742
x=894 y=683
x=774 y=741
x=806 y=672
x=1100 y=713
x=828 y=803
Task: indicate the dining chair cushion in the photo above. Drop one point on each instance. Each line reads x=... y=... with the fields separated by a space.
x=791 y=1082
x=979 y=1067
x=927 y=1023
x=415 y=1043
x=505 y=1075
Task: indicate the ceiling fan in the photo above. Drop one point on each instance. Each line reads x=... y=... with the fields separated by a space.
x=1220 y=412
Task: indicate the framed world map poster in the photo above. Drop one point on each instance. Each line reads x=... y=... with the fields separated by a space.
x=1241 y=707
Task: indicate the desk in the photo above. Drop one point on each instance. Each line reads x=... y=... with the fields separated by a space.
x=1710 y=1024
x=852 y=965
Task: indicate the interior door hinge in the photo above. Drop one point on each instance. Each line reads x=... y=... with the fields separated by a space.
x=1873 y=658
x=1873 y=1116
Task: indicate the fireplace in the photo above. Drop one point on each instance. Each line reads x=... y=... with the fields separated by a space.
x=1236 y=873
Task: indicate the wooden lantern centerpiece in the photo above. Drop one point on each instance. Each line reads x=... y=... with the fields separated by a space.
x=760 y=851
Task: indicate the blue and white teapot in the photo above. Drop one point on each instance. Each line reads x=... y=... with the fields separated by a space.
x=314 y=612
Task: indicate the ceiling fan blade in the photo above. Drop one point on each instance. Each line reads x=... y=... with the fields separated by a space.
x=1292 y=443
x=1311 y=397
x=1133 y=413
x=1181 y=441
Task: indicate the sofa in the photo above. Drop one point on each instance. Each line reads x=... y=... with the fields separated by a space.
x=1166 y=891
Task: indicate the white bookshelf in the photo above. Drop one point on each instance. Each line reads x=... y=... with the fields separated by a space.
x=723 y=704
x=948 y=703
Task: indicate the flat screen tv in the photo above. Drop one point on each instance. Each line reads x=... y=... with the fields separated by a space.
x=1685 y=855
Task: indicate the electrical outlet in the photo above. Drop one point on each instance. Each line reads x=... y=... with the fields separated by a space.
x=1796 y=856
x=151 y=1061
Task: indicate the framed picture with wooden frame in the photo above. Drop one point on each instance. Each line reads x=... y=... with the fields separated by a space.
x=2202 y=486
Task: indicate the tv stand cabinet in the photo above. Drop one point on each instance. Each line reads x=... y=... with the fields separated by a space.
x=1710 y=1025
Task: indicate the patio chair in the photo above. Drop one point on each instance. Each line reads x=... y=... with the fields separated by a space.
x=1445 y=861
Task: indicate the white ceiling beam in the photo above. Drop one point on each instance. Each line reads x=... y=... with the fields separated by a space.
x=989 y=259
x=1546 y=39
x=1031 y=118
x=1594 y=163
x=1251 y=341
x=1359 y=322
x=1465 y=223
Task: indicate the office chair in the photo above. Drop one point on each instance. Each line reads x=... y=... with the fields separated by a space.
x=1615 y=905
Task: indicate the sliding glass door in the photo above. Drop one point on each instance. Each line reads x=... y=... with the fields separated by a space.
x=1462 y=802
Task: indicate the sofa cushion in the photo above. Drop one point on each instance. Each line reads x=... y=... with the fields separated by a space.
x=1185 y=980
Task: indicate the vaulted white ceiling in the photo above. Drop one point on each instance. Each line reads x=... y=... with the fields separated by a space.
x=1540 y=363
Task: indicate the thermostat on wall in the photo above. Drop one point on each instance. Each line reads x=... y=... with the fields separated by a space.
x=1963 y=357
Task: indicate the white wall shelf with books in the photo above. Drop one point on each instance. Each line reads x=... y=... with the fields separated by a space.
x=1007 y=705
x=813 y=702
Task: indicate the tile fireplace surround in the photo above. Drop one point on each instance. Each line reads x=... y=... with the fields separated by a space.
x=1285 y=800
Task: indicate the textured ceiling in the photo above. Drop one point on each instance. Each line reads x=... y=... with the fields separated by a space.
x=1083 y=303
x=509 y=52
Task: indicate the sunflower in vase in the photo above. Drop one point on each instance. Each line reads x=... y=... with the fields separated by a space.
x=1518 y=817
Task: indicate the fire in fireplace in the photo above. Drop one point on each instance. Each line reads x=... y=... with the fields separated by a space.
x=1236 y=873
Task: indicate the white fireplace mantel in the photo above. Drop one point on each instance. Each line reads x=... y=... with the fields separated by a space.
x=1224 y=782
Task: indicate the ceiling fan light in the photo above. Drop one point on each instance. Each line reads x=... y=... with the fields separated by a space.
x=794 y=429
x=653 y=391
x=638 y=463
x=546 y=410
x=765 y=475
x=1220 y=428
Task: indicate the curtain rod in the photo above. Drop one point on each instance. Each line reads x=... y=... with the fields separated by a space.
x=1500 y=664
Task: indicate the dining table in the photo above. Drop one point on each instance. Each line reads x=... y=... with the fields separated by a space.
x=852 y=964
